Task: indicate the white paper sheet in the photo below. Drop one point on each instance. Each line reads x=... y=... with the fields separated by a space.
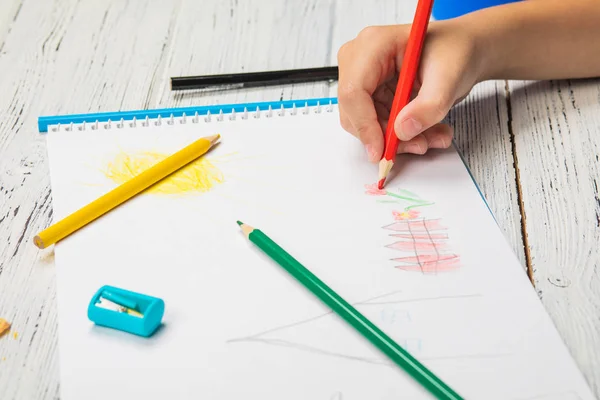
x=237 y=326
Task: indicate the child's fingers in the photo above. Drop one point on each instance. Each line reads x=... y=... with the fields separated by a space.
x=373 y=146
x=385 y=94
x=365 y=126
x=416 y=145
x=371 y=138
x=437 y=137
x=356 y=84
x=346 y=124
x=431 y=105
x=364 y=64
x=383 y=110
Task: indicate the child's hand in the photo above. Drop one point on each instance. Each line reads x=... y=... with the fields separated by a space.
x=368 y=73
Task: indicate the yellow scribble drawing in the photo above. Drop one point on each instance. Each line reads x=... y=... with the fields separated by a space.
x=200 y=175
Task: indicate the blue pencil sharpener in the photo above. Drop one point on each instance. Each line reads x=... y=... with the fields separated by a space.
x=126 y=311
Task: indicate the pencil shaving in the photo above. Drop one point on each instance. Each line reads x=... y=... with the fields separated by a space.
x=4 y=326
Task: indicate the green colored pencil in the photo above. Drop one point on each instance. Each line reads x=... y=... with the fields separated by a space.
x=365 y=327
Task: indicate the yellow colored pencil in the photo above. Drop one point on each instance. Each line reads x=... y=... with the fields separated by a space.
x=124 y=192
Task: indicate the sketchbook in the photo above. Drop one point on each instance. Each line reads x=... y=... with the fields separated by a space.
x=423 y=259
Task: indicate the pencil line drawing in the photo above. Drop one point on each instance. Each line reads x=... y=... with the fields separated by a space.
x=337 y=396
x=304 y=321
x=554 y=396
x=312 y=349
x=375 y=361
x=423 y=241
x=423 y=299
x=411 y=344
x=367 y=302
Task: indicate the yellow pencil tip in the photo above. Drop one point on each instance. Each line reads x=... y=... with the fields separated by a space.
x=213 y=139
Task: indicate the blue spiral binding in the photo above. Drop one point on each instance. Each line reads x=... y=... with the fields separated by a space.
x=45 y=121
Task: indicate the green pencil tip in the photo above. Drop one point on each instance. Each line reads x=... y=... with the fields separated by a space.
x=240 y=223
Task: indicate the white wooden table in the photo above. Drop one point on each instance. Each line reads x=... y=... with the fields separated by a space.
x=532 y=147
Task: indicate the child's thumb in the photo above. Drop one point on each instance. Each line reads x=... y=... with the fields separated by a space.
x=427 y=109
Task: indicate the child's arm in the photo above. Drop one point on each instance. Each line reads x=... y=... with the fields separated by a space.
x=539 y=39
x=535 y=39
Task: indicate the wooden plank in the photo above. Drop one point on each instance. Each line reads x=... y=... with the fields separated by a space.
x=246 y=36
x=80 y=57
x=557 y=134
x=481 y=126
x=480 y=121
x=9 y=11
x=85 y=58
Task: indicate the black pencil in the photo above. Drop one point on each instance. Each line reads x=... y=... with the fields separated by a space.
x=255 y=79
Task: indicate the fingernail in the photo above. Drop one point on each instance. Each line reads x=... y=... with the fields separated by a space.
x=409 y=128
x=371 y=153
x=413 y=148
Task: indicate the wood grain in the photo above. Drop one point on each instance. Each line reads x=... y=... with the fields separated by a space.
x=557 y=135
x=246 y=36
x=481 y=127
x=70 y=56
x=81 y=56
x=9 y=11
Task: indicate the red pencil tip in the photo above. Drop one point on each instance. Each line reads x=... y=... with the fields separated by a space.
x=380 y=184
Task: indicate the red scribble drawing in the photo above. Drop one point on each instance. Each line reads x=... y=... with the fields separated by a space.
x=426 y=246
x=373 y=190
x=448 y=262
x=420 y=225
x=422 y=240
x=421 y=236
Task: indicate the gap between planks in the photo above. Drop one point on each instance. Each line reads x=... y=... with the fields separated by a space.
x=518 y=184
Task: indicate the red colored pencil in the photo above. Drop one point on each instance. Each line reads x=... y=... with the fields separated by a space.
x=408 y=73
